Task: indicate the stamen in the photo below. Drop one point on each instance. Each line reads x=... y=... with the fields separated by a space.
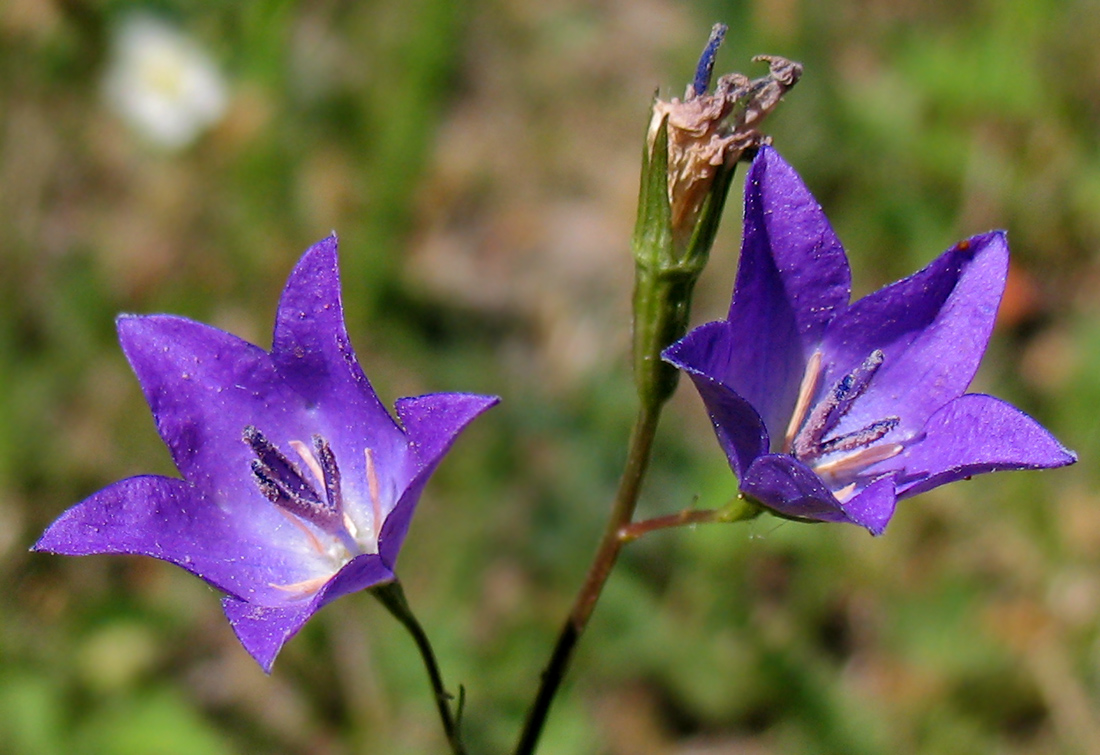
x=350 y=527
x=375 y=499
x=317 y=546
x=810 y=378
x=845 y=492
x=330 y=473
x=853 y=386
x=836 y=404
x=281 y=483
x=862 y=458
x=305 y=587
x=278 y=466
x=863 y=437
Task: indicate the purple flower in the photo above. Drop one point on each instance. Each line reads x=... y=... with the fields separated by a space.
x=298 y=486
x=830 y=411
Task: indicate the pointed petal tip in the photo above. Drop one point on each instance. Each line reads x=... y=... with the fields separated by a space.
x=767 y=160
x=60 y=537
x=767 y=154
x=977 y=434
x=699 y=350
x=321 y=256
x=433 y=421
x=264 y=630
x=42 y=545
x=990 y=242
x=1060 y=457
x=995 y=235
x=64 y=537
x=126 y=324
x=874 y=506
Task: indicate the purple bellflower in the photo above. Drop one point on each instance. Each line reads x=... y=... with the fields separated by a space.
x=298 y=487
x=830 y=411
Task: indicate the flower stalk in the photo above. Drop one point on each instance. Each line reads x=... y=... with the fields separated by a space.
x=740 y=509
x=392 y=596
x=626 y=499
x=692 y=149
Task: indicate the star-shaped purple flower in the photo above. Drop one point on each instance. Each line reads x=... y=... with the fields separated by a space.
x=830 y=411
x=298 y=486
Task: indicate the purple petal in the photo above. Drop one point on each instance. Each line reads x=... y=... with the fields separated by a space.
x=204 y=386
x=972 y=435
x=171 y=520
x=792 y=279
x=703 y=354
x=263 y=630
x=432 y=423
x=789 y=487
x=312 y=353
x=932 y=327
x=873 y=507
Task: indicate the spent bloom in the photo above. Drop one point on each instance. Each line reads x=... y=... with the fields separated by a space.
x=162 y=83
x=708 y=131
x=830 y=411
x=298 y=486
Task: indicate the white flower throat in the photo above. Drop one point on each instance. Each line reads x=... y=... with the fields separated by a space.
x=319 y=503
x=837 y=459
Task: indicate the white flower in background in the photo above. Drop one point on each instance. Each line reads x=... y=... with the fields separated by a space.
x=162 y=83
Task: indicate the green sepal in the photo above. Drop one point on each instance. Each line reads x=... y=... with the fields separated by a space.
x=665 y=273
x=652 y=241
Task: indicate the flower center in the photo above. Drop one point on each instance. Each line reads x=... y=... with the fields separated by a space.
x=810 y=435
x=318 y=502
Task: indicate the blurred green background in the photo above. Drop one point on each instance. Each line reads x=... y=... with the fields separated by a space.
x=479 y=160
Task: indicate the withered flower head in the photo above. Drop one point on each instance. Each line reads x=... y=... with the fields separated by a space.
x=707 y=131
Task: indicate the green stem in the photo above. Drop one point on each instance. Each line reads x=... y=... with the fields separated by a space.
x=641 y=445
x=742 y=509
x=392 y=596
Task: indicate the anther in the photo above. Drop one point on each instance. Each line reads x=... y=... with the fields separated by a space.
x=836 y=404
x=281 y=483
x=277 y=466
x=330 y=473
x=860 y=438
